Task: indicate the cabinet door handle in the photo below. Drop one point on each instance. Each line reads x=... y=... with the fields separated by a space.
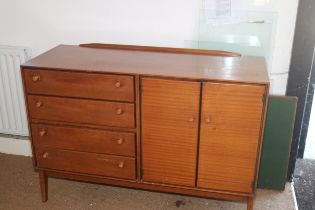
x=117 y=84
x=39 y=104
x=119 y=111
x=43 y=132
x=191 y=119
x=120 y=141
x=36 y=78
x=208 y=120
x=45 y=155
x=121 y=164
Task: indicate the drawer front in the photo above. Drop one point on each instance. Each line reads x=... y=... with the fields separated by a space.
x=88 y=163
x=75 y=84
x=83 y=139
x=81 y=111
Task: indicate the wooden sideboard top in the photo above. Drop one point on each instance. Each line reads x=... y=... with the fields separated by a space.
x=166 y=64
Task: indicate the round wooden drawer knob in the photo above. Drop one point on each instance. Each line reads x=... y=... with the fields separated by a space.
x=42 y=132
x=45 y=155
x=117 y=84
x=121 y=164
x=39 y=104
x=191 y=119
x=208 y=120
x=120 y=141
x=36 y=78
x=119 y=111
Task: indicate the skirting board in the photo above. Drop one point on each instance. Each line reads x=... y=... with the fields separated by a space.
x=15 y=146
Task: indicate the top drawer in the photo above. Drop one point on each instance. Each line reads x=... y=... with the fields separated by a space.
x=77 y=84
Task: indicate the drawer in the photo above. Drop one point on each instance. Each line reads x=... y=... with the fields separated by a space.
x=83 y=111
x=83 y=139
x=76 y=84
x=88 y=163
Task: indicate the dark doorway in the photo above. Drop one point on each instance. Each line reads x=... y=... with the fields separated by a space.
x=301 y=77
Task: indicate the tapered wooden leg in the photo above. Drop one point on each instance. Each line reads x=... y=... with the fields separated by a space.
x=250 y=203
x=43 y=182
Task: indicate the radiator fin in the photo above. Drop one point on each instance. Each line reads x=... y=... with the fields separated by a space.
x=12 y=107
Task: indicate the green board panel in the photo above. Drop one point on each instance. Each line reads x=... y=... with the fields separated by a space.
x=277 y=142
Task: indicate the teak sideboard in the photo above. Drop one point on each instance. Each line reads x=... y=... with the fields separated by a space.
x=170 y=120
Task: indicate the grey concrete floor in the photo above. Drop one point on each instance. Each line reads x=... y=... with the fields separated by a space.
x=304 y=184
x=19 y=189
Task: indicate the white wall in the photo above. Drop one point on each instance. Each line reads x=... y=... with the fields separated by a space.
x=15 y=146
x=42 y=25
x=283 y=41
x=283 y=34
x=309 y=152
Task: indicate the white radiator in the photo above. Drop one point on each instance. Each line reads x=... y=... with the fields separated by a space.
x=12 y=107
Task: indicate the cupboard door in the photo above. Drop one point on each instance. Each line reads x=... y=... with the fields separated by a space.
x=231 y=121
x=170 y=115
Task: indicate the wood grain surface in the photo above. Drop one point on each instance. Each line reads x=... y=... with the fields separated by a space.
x=161 y=49
x=83 y=139
x=164 y=119
x=206 y=193
x=82 y=111
x=87 y=163
x=170 y=117
x=43 y=183
x=230 y=130
x=185 y=66
x=84 y=85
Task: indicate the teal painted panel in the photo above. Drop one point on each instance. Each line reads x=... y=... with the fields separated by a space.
x=277 y=142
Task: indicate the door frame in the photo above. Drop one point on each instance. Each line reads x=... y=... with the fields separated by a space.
x=302 y=78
